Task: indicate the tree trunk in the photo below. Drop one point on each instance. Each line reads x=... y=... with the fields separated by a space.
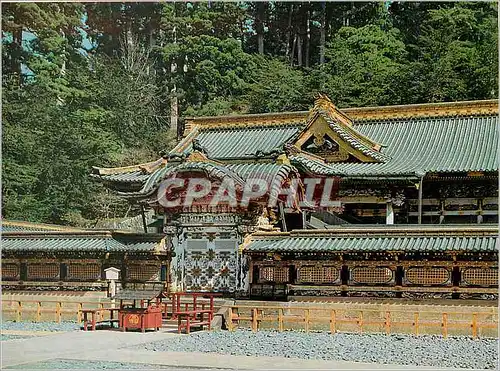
x=322 y=37
x=293 y=49
x=289 y=31
x=174 y=103
x=259 y=25
x=174 y=111
x=17 y=39
x=299 y=50
x=308 y=34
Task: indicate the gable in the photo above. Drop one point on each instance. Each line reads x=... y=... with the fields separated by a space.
x=331 y=136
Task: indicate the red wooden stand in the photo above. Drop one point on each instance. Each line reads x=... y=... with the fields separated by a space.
x=140 y=318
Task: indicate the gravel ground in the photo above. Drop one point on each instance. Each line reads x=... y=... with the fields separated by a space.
x=67 y=364
x=39 y=326
x=459 y=352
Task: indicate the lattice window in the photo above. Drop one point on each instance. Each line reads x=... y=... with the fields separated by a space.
x=10 y=271
x=266 y=274
x=273 y=274
x=43 y=271
x=371 y=275
x=89 y=271
x=145 y=272
x=428 y=276
x=318 y=274
x=281 y=274
x=480 y=276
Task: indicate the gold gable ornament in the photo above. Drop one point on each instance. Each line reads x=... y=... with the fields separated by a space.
x=330 y=134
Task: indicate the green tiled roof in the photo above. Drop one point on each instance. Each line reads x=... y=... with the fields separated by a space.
x=387 y=239
x=421 y=145
x=270 y=172
x=410 y=244
x=88 y=240
x=130 y=177
x=61 y=243
x=21 y=226
x=412 y=147
x=245 y=142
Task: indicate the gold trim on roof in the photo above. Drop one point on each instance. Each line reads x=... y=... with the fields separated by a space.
x=465 y=108
x=383 y=231
x=319 y=128
x=197 y=156
x=147 y=168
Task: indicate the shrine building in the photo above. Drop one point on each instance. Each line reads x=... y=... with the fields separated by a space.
x=394 y=200
x=380 y=199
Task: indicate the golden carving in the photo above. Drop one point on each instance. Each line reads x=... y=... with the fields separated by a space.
x=197 y=156
x=147 y=167
x=133 y=319
x=319 y=128
x=282 y=160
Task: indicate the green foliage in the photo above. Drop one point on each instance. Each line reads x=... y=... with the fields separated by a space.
x=363 y=66
x=277 y=87
x=65 y=110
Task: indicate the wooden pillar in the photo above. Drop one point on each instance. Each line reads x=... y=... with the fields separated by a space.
x=420 y=186
x=389 y=213
x=480 y=211
x=144 y=224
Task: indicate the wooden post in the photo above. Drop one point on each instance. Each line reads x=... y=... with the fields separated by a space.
x=416 y=323
x=387 y=322
x=230 y=320
x=332 y=321
x=19 y=311
x=79 y=313
x=445 y=325
x=254 y=319
x=231 y=325
x=389 y=213
x=38 y=311
x=306 y=319
x=280 y=319
x=58 y=312
x=360 y=322
x=93 y=320
x=420 y=196
x=101 y=313
x=474 y=325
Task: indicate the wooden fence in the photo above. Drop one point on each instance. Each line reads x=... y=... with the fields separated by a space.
x=54 y=310
x=393 y=320
x=35 y=309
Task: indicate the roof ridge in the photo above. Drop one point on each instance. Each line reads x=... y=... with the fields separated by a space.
x=436 y=109
x=407 y=230
x=43 y=226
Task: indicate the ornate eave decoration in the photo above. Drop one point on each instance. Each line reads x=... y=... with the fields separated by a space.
x=330 y=135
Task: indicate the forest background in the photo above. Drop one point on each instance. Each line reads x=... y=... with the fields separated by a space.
x=99 y=84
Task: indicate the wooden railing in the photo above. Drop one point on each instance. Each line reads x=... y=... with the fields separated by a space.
x=32 y=310
x=383 y=320
x=58 y=307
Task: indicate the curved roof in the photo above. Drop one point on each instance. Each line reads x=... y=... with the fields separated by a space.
x=246 y=142
x=423 y=145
